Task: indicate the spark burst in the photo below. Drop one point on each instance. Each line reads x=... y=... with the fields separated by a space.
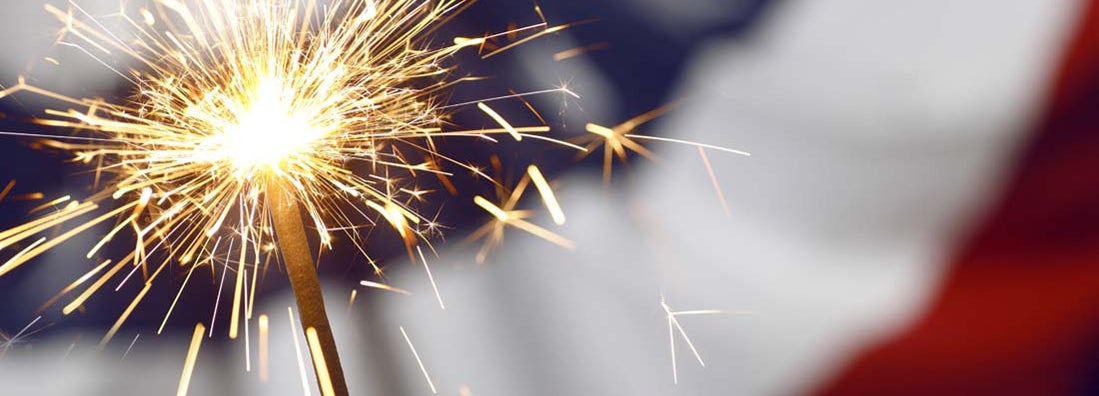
x=619 y=140
x=243 y=118
x=505 y=214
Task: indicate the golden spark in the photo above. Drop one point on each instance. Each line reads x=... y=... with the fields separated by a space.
x=419 y=361
x=382 y=286
x=505 y=214
x=192 y=358
x=131 y=347
x=619 y=140
x=264 y=348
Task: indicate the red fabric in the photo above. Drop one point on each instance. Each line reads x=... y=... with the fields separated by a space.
x=1018 y=313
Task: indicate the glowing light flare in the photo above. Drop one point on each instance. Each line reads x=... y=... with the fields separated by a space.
x=264 y=348
x=95 y=286
x=351 y=300
x=297 y=352
x=713 y=181
x=618 y=141
x=548 y=197
x=189 y=362
x=318 y=362
x=385 y=287
x=131 y=347
x=500 y=120
x=125 y=314
x=7 y=189
x=419 y=361
x=72 y=286
x=430 y=277
x=266 y=134
x=9 y=342
x=504 y=214
x=674 y=327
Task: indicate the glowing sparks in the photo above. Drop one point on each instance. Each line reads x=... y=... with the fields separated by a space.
x=574 y=52
x=217 y=302
x=614 y=140
x=689 y=143
x=48 y=204
x=7 y=189
x=419 y=361
x=714 y=182
x=673 y=326
x=227 y=99
x=264 y=348
x=500 y=120
x=176 y=299
x=125 y=314
x=548 y=197
x=75 y=284
x=351 y=300
x=504 y=214
x=297 y=352
x=247 y=344
x=95 y=286
x=9 y=342
x=189 y=363
x=382 y=286
x=318 y=362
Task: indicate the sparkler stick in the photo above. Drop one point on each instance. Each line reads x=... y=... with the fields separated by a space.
x=290 y=232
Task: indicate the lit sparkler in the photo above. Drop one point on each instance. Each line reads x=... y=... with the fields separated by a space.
x=247 y=120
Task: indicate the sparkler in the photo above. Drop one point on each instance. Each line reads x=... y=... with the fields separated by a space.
x=189 y=363
x=247 y=120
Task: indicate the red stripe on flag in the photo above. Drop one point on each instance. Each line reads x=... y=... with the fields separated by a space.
x=1018 y=313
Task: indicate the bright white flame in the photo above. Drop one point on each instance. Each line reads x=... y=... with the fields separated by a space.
x=268 y=132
